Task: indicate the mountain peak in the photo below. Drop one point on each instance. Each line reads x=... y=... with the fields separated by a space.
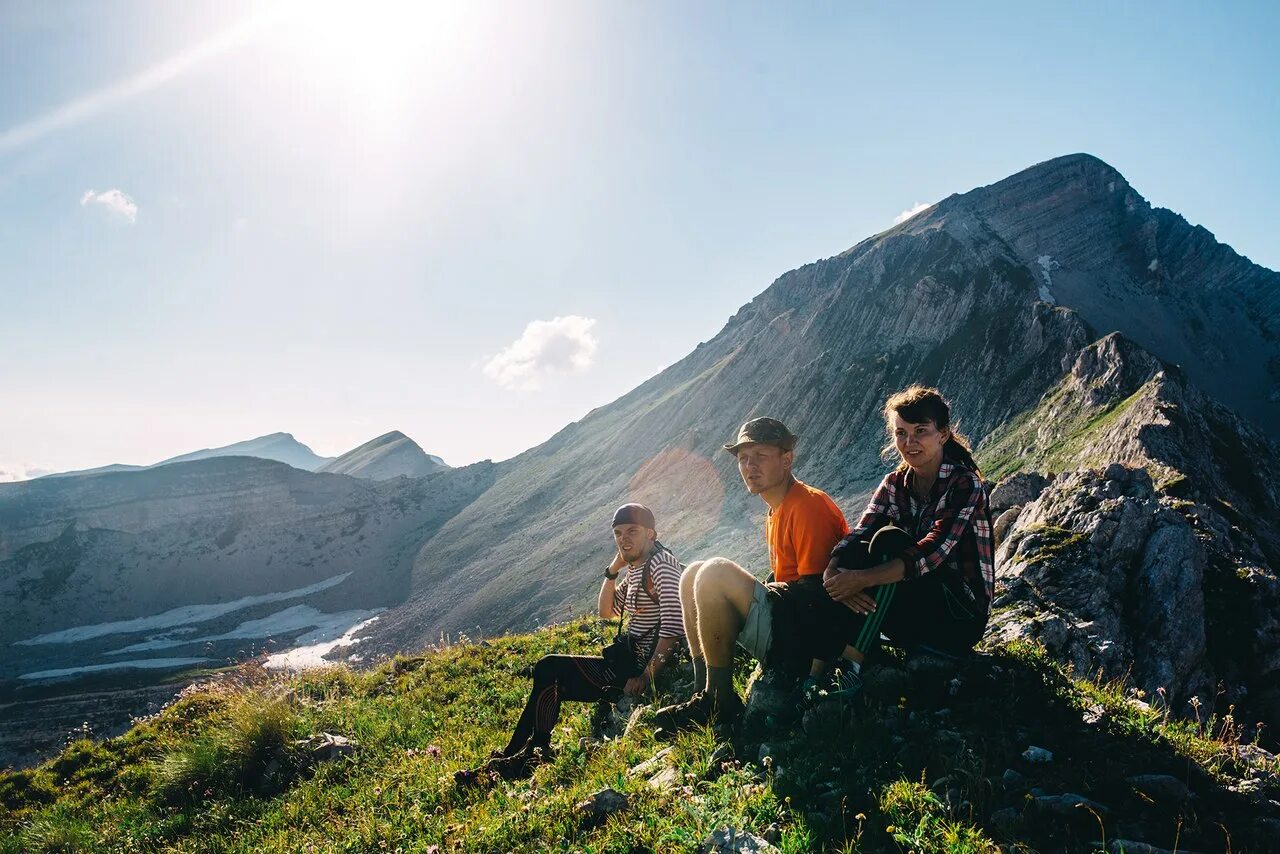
x=390 y=455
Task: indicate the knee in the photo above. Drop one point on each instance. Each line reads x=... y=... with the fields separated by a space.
x=716 y=573
x=545 y=670
x=688 y=578
x=890 y=540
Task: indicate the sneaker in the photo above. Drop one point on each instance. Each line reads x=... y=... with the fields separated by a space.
x=697 y=711
x=848 y=685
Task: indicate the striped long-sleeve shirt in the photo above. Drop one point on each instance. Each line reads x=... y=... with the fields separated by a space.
x=952 y=527
x=643 y=607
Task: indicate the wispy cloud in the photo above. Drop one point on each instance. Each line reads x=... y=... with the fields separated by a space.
x=560 y=345
x=115 y=202
x=908 y=214
x=12 y=472
x=87 y=106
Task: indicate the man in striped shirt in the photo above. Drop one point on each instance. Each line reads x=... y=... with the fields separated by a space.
x=649 y=594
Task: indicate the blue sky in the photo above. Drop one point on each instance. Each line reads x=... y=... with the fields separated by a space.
x=340 y=220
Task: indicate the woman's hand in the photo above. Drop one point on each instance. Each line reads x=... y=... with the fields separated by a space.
x=847 y=588
x=637 y=684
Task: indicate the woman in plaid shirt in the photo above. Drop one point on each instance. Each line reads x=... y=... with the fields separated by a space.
x=919 y=565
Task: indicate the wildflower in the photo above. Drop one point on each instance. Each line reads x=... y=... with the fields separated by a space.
x=860 y=817
x=433 y=750
x=891 y=829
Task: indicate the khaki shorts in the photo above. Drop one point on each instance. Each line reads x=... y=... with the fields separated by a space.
x=757 y=633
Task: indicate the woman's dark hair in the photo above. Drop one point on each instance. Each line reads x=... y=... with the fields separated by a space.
x=917 y=404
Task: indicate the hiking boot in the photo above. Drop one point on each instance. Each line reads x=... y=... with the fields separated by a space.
x=697 y=711
x=601 y=719
x=520 y=764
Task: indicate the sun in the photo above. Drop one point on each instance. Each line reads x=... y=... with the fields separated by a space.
x=377 y=51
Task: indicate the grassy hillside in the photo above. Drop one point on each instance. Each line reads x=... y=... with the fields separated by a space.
x=920 y=765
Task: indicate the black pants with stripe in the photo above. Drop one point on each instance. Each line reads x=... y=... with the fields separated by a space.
x=938 y=609
x=578 y=678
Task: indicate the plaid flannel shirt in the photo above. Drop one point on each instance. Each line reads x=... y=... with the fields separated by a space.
x=953 y=526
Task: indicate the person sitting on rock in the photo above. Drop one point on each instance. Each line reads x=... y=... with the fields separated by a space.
x=649 y=594
x=722 y=602
x=918 y=566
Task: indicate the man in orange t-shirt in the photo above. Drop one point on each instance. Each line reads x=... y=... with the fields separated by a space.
x=783 y=623
x=801 y=530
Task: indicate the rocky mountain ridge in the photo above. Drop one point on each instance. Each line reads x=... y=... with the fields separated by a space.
x=390 y=455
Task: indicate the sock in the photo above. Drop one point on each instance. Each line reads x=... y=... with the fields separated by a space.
x=699 y=674
x=719 y=681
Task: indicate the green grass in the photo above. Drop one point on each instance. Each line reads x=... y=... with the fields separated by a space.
x=220 y=770
x=1054 y=435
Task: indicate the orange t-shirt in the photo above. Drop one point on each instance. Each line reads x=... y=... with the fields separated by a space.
x=802 y=531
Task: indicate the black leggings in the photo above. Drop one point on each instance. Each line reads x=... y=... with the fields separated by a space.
x=937 y=609
x=580 y=678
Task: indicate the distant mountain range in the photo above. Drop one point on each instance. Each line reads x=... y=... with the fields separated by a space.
x=1073 y=326
x=390 y=455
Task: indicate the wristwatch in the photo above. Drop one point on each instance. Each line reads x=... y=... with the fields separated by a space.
x=614 y=576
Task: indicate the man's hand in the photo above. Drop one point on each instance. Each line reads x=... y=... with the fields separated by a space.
x=831 y=571
x=636 y=685
x=847 y=588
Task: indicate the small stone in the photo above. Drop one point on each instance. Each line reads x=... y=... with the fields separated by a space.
x=665 y=780
x=1130 y=846
x=650 y=765
x=1068 y=805
x=1161 y=788
x=1037 y=754
x=772 y=834
x=729 y=840
x=600 y=805
x=1012 y=779
x=1007 y=819
x=1116 y=471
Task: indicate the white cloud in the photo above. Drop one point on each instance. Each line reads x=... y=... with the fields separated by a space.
x=908 y=214
x=114 y=201
x=560 y=345
x=14 y=472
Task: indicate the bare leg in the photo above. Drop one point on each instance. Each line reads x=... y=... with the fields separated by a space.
x=690 y=608
x=722 y=594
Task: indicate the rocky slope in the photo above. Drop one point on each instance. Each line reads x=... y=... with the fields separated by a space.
x=390 y=455
x=1151 y=553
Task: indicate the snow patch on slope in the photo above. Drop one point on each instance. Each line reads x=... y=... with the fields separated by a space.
x=181 y=616
x=284 y=622
x=318 y=644
x=1047 y=266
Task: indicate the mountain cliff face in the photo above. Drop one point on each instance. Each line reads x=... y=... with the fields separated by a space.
x=994 y=296
x=183 y=558
x=390 y=455
x=1147 y=549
